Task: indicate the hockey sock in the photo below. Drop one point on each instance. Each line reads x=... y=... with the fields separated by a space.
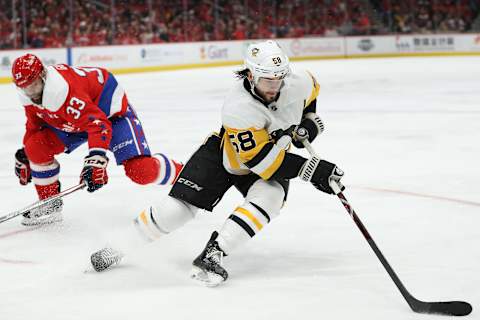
x=45 y=178
x=157 y=169
x=47 y=191
x=244 y=223
x=169 y=169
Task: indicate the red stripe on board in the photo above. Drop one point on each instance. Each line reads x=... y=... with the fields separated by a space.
x=16 y=261
x=12 y=233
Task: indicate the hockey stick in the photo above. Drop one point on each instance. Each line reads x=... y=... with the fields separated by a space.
x=42 y=203
x=451 y=308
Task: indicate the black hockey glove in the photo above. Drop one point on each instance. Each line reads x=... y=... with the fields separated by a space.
x=309 y=128
x=22 y=167
x=277 y=134
x=94 y=172
x=322 y=174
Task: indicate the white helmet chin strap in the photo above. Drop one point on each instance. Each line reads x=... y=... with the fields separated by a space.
x=252 y=88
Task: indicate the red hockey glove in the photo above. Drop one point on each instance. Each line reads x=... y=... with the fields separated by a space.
x=22 y=167
x=94 y=172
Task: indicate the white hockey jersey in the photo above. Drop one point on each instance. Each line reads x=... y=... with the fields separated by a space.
x=248 y=123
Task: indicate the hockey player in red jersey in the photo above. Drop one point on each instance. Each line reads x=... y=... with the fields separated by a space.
x=68 y=106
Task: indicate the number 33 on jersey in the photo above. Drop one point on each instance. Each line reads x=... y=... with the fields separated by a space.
x=77 y=99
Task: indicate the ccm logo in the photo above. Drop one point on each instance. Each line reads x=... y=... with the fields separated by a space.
x=122 y=145
x=190 y=184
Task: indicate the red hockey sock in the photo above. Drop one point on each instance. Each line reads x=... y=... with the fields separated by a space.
x=156 y=169
x=142 y=170
x=48 y=190
x=178 y=168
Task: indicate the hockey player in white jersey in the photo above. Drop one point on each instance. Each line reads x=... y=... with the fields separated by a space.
x=261 y=118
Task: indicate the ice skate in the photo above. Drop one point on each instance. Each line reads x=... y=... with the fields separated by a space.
x=48 y=213
x=207 y=267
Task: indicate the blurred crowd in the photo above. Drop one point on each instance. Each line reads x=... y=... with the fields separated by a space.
x=426 y=16
x=60 y=23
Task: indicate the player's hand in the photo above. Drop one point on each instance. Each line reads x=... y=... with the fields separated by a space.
x=22 y=167
x=278 y=134
x=94 y=173
x=299 y=135
x=322 y=174
x=310 y=127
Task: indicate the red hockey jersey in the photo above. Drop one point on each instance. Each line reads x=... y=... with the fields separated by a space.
x=77 y=99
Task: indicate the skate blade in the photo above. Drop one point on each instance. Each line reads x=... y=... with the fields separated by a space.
x=42 y=221
x=208 y=279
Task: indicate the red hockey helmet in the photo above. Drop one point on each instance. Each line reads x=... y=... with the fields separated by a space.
x=26 y=69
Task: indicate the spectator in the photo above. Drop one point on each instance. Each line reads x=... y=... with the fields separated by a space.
x=150 y=21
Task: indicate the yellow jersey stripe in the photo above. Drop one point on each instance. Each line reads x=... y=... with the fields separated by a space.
x=314 y=95
x=315 y=90
x=143 y=217
x=231 y=154
x=267 y=173
x=249 y=215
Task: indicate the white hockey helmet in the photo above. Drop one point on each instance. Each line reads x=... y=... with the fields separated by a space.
x=266 y=60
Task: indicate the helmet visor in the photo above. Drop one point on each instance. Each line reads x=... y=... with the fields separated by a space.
x=268 y=84
x=269 y=87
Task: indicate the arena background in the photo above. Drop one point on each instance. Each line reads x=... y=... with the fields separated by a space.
x=148 y=35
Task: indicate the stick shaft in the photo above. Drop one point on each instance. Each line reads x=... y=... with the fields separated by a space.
x=366 y=234
x=455 y=308
x=351 y=212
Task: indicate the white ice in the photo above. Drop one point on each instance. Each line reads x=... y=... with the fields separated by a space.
x=406 y=132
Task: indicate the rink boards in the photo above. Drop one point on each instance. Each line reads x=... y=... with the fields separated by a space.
x=174 y=56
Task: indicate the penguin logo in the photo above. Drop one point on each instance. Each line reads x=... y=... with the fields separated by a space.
x=255 y=51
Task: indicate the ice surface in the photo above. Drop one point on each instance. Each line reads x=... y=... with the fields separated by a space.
x=408 y=125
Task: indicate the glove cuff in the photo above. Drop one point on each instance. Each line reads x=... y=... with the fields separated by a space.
x=309 y=168
x=97 y=152
x=316 y=120
x=21 y=156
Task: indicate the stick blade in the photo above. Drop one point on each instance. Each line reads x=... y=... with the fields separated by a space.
x=450 y=308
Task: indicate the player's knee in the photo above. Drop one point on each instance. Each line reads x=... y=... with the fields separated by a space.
x=164 y=218
x=172 y=213
x=267 y=197
x=41 y=146
x=142 y=170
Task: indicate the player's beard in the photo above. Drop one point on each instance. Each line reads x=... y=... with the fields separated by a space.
x=270 y=96
x=267 y=96
x=38 y=98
